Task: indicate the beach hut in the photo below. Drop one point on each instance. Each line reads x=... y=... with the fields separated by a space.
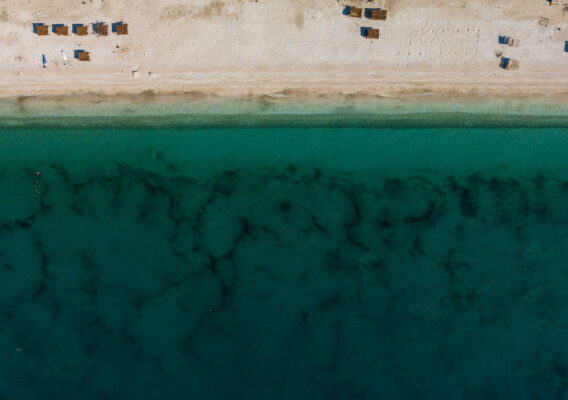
x=120 y=28
x=376 y=13
x=41 y=29
x=80 y=30
x=369 y=33
x=355 y=12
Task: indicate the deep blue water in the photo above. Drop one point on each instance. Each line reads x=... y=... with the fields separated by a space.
x=284 y=263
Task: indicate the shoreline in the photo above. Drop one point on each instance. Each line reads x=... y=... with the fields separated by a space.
x=199 y=110
x=310 y=83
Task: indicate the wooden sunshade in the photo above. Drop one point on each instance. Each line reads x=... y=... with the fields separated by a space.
x=122 y=29
x=62 y=30
x=102 y=30
x=355 y=12
x=512 y=65
x=82 y=30
x=42 y=30
x=378 y=14
x=373 y=34
x=84 y=56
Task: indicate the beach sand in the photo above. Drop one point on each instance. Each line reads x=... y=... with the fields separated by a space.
x=290 y=48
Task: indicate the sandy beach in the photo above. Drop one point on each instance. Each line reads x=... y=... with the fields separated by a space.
x=285 y=48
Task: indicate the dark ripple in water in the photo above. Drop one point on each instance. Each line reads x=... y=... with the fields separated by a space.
x=282 y=282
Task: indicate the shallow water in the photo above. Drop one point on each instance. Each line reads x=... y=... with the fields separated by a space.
x=284 y=263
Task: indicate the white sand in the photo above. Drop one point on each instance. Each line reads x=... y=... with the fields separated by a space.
x=243 y=48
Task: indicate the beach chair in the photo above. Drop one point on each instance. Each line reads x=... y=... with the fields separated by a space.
x=566 y=46
x=513 y=42
x=120 y=28
x=369 y=33
x=376 y=13
x=80 y=30
x=543 y=21
x=504 y=39
x=41 y=29
x=355 y=12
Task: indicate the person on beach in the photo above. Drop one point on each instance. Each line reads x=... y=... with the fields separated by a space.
x=44 y=60
x=63 y=57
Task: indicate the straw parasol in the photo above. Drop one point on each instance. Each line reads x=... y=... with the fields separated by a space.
x=355 y=12
x=372 y=34
x=42 y=30
x=62 y=30
x=84 y=56
x=512 y=65
x=122 y=29
x=102 y=30
x=82 y=30
x=376 y=13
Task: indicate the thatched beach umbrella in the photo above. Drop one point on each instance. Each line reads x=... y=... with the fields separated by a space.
x=120 y=28
x=84 y=56
x=376 y=13
x=100 y=29
x=42 y=30
x=373 y=34
x=62 y=30
x=80 y=29
x=355 y=12
x=513 y=65
x=369 y=33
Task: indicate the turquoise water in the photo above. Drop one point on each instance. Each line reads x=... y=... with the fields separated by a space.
x=284 y=263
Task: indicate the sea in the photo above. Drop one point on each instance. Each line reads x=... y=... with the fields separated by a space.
x=341 y=255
